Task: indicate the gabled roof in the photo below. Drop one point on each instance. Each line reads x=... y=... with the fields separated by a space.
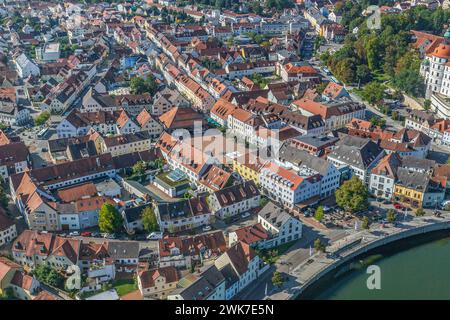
x=148 y=277
x=240 y=255
x=5 y=221
x=6 y=266
x=77 y=192
x=251 y=234
x=222 y=108
x=357 y=152
x=179 y=118
x=236 y=193
x=388 y=166
x=215 y=178
x=44 y=244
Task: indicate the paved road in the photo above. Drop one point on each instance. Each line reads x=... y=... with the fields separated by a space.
x=297 y=254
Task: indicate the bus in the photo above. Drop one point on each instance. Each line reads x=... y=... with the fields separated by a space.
x=42 y=133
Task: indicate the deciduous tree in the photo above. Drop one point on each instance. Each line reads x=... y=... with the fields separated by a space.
x=352 y=195
x=109 y=219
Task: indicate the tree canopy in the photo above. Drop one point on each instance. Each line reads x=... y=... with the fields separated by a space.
x=109 y=219
x=149 y=221
x=387 y=52
x=42 y=118
x=319 y=213
x=352 y=195
x=140 y=85
x=47 y=275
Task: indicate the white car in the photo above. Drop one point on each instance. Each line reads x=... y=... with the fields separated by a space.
x=155 y=236
x=74 y=234
x=245 y=215
x=207 y=228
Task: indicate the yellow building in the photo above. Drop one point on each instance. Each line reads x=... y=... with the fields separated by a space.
x=408 y=195
x=418 y=189
x=248 y=168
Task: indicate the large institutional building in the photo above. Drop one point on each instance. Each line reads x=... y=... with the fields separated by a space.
x=436 y=70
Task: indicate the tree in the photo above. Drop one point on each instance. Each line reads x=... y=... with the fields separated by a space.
x=109 y=219
x=427 y=104
x=319 y=213
x=448 y=160
x=48 y=275
x=42 y=118
x=263 y=201
x=3 y=198
x=390 y=215
x=394 y=115
x=139 y=85
x=365 y=223
x=420 y=212
x=149 y=221
x=321 y=87
x=277 y=279
x=139 y=168
x=373 y=92
x=319 y=245
x=352 y=195
x=363 y=73
x=171 y=228
x=7 y=294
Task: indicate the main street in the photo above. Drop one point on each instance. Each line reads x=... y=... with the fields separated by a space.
x=296 y=255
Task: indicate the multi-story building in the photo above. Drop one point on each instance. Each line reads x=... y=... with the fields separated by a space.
x=435 y=70
x=33 y=248
x=384 y=175
x=13 y=159
x=358 y=155
x=418 y=189
x=307 y=165
x=241 y=265
x=8 y=229
x=336 y=114
x=234 y=200
x=157 y=283
x=287 y=186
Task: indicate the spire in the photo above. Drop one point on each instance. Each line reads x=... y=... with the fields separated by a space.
x=447 y=36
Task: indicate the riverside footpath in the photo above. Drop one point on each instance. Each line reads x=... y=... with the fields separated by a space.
x=344 y=248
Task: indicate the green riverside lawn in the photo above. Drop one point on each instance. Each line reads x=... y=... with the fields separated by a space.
x=124 y=286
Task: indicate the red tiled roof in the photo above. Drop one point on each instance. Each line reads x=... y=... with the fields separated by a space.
x=77 y=192
x=149 y=277
x=251 y=234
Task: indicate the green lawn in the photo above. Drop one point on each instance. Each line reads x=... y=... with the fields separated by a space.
x=272 y=255
x=124 y=286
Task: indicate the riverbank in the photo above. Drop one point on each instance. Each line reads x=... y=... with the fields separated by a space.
x=353 y=273
x=344 y=250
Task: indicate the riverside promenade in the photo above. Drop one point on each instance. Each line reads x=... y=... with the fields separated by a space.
x=343 y=250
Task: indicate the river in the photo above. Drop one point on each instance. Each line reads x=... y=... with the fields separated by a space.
x=415 y=269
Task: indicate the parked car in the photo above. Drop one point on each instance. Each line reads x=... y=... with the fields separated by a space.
x=398 y=206
x=386 y=201
x=157 y=235
x=74 y=234
x=111 y=236
x=86 y=234
x=206 y=228
x=96 y=234
x=245 y=215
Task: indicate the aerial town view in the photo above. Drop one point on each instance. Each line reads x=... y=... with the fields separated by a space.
x=224 y=150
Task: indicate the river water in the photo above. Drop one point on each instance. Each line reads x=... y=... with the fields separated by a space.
x=419 y=271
